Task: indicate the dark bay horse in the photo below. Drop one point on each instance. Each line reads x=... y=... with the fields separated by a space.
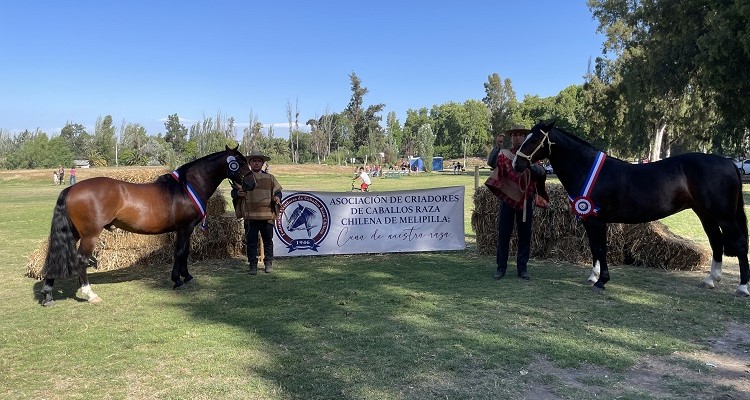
x=173 y=202
x=604 y=189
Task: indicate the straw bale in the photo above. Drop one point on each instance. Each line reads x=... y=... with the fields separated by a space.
x=558 y=234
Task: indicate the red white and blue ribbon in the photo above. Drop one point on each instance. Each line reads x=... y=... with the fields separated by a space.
x=582 y=205
x=195 y=199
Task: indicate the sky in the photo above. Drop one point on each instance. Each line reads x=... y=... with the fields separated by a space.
x=140 y=61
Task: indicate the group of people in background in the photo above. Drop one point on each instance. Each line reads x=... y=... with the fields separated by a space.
x=58 y=175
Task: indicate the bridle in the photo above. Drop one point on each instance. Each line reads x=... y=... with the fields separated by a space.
x=234 y=168
x=541 y=143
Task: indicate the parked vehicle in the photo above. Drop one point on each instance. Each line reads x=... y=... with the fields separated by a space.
x=743 y=166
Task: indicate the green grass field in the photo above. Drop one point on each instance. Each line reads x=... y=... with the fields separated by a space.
x=380 y=326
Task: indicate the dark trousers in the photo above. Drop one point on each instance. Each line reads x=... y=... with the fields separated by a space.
x=252 y=227
x=509 y=217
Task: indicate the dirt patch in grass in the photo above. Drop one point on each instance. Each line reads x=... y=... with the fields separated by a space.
x=721 y=371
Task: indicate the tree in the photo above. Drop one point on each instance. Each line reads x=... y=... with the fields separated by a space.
x=176 y=134
x=365 y=123
x=133 y=138
x=425 y=142
x=501 y=103
x=78 y=140
x=393 y=137
x=104 y=142
x=414 y=120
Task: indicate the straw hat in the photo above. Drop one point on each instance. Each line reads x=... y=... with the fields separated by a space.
x=257 y=154
x=517 y=129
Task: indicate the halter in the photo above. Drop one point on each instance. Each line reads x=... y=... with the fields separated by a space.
x=541 y=143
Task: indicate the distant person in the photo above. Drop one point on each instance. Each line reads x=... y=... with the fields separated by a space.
x=365 y=178
x=61 y=175
x=55 y=177
x=73 y=175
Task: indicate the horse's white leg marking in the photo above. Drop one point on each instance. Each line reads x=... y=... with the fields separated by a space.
x=90 y=295
x=594 y=277
x=46 y=288
x=713 y=276
x=742 y=291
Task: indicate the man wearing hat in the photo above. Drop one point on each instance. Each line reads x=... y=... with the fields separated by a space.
x=516 y=191
x=260 y=208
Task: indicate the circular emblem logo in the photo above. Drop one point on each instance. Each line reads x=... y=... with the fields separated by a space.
x=303 y=222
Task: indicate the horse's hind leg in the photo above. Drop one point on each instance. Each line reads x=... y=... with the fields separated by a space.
x=47 y=300
x=717 y=248
x=86 y=249
x=735 y=244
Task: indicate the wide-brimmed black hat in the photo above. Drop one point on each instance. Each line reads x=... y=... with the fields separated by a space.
x=517 y=129
x=258 y=154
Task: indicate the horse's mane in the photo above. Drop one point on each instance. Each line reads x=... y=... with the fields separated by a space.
x=168 y=179
x=576 y=138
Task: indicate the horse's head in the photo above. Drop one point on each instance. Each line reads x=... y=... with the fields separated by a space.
x=238 y=170
x=535 y=147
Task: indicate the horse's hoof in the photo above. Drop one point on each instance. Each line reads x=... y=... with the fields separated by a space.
x=95 y=300
x=707 y=285
x=188 y=278
x=740 y=293
x=49 y=303
x=591 y=281
x=597 y=289
x=177 y=285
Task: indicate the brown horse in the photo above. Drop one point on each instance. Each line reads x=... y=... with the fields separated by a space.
x=174 y=202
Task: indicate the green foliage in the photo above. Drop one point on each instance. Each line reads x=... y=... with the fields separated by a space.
x=104 y=141
x=176 y=134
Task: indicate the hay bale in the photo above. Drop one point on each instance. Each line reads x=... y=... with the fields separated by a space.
x=119 y=249
x=557 y=234
x=658 y=247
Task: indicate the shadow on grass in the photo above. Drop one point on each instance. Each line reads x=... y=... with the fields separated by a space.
x=437 y=324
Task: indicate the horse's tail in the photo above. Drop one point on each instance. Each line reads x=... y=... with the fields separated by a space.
x=63 y=258
x=731 y=249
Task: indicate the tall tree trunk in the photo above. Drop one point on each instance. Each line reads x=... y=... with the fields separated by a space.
x=658 y=138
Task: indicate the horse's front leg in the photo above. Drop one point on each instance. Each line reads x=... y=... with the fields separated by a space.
x=181 y=252
x=596 y=231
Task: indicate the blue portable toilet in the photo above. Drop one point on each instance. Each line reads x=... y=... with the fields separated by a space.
x=437 y=163
x=416 y=164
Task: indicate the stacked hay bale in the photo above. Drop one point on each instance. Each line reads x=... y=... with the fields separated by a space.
x=557 y=234
x=120 y=249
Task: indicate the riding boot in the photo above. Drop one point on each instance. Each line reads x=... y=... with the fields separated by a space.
x=268 y=269
x=499 y=273
x=254 y=268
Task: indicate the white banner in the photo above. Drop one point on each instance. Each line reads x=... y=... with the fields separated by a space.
x=317 y=223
